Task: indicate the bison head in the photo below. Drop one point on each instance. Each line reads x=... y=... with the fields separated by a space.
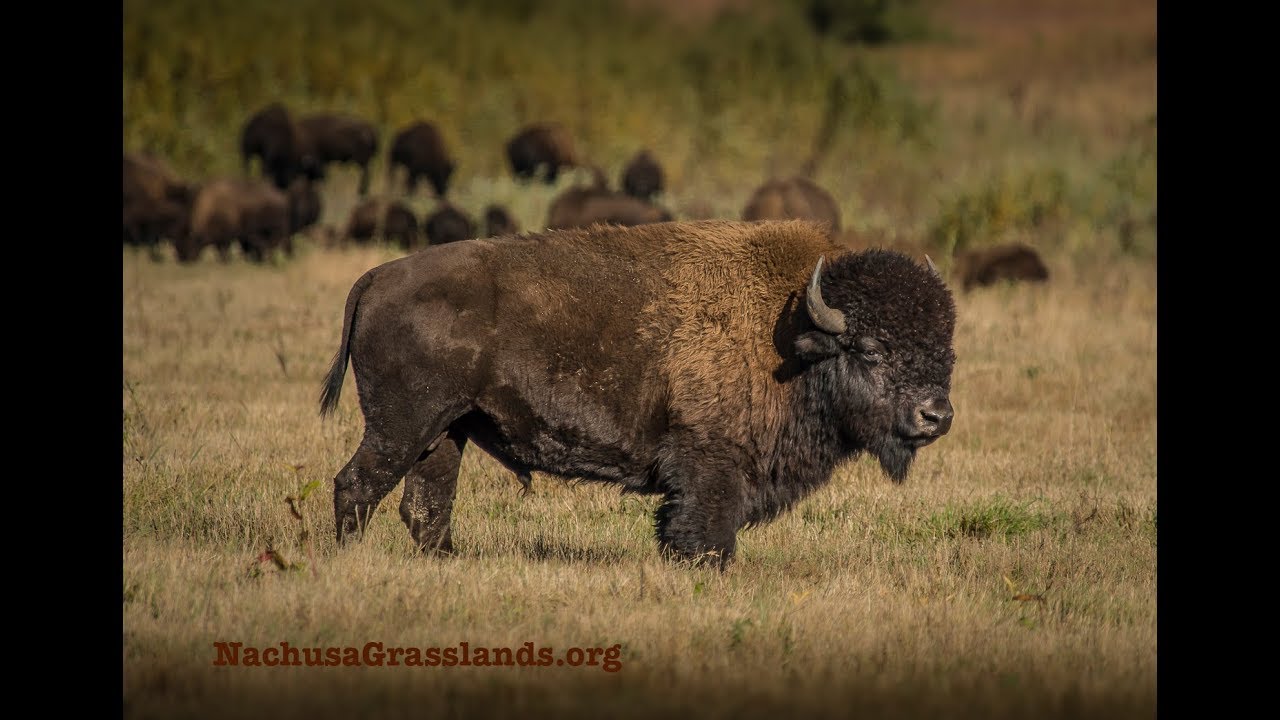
x=881 y=354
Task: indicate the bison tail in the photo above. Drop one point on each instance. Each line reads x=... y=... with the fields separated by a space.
x=338 y=370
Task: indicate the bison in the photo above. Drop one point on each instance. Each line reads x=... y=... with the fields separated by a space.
x=796 y=197
x=419 y=149
x=544 y=146
x=498 y=222
x=377 y=217
x=585 y=206
x=157 y=203
x=987 y=266
x=729 y=367
x=226 y=211
x=304 y=205
x=335 y=138
x=272 y=136
x=642 y=178
x=448 y=224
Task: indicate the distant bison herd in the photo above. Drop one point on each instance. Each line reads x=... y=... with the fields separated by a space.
x=285 y=157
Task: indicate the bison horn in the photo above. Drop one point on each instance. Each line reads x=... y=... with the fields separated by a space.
x=932 y=267
x=825 y=318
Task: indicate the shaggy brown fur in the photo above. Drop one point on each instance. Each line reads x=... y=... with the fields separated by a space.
x=498 y=222
x=420 y=150
x=686 y=359
x=379 y=217
x=1012 y=262
x=643 y=177
x=251 y=212
x=793 y=198
x=157 y=203
x=545 y=146
x=335 y=138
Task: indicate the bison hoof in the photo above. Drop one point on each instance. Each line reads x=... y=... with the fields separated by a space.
x=718 y=558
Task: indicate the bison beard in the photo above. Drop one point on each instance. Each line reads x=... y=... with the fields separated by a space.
x=760 y=370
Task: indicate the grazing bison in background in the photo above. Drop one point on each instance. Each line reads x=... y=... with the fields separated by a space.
x=378 y=217
x=226 y=211
x=545 y=146
x=419 y=149
x=498 y=222
x=157 y=203
x=448 y=224
x=585 y=206
x=272 y=136
x=723 y=365
x=990 y=265
x=335 y=138
x=304 y=205
x=793 y=198
x=642 y=177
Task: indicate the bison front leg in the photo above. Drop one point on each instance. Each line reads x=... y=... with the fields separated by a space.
x=699 y=518
x=429 y=489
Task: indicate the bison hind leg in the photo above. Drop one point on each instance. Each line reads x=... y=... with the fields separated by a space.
x=388 y=451
x=429 y=489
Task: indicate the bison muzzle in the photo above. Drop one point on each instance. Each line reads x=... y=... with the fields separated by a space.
x=730 y=367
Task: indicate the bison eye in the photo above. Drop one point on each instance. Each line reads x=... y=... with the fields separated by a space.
x=871 y=350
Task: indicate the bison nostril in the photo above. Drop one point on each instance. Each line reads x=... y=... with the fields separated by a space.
x=935 y=416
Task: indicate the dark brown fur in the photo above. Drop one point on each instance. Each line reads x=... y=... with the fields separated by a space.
x=545 y=147
x=498 y=222
x=449 y=224
x=379 y=217
x=252 y=213
x=335 y=138
x=585 y=206
x=678 y=358
x=272 y=135
x=304 y=205
x=796 y=198
x=1012 y=262
x=157 y=203
x=420 y=150
x=643 y=177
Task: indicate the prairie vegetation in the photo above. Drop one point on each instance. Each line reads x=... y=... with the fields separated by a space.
x=1013 y=575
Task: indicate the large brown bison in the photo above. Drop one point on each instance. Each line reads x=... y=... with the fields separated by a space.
x=498 y=222
x=419 y=149
x=448 y=224
x=642 y=178
x=379 y=217
x=336 y=138
x=723 y=365
x=272 y=136
x=157 y=203
x=988 y=266
x=237 y=210
x=583 y=206
x=797 y=198
x=545 y=147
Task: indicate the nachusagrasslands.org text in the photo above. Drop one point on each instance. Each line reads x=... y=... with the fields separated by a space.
x=377 y=654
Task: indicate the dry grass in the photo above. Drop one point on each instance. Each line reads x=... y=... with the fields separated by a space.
x=868 y=598
x=1013 y=575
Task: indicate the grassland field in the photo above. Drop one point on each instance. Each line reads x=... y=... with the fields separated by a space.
x=1013 y=575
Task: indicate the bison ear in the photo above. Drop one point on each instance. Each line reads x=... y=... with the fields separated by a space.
x=815 y=346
